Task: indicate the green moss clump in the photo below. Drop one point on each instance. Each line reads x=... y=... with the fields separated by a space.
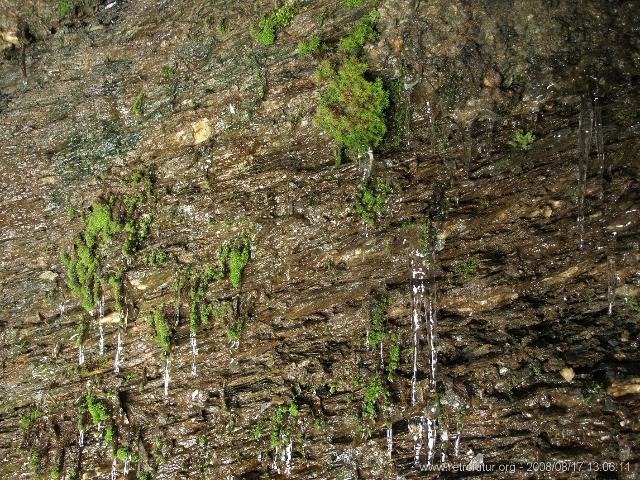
x=278 y=430
x=97 y=409
x=371 y=199
x=238 y=260
x=310 y=45
x=353 y=3
x=522 y=140
x=123 y=454
x=100 y=223
x=394 y=357
x=163 y=332
x=27 y=419
x=361 y=32
x=352 y=108
x=222 y=26
x=35 y=462
x=72 y=474
x=200 y=311
x=138 y=233
x=377 y=313
x=157 y=258
x=234 y=329
x=268 y=26
x=110 y=435
x=167 y=72
x=82 y=262
x=65 y=7
x=374 y=393
x=56 y=473
x=467 y=268
x=137 y=107
x=115 y=282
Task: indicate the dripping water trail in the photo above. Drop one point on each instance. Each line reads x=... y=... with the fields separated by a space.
x=598 y=137
x=417 y=429
x=167 y=368
x=113 y=470
x=612 y=276
x=456 y=445
x=468 y=144
x=585 y=127
x=287 y=457
x=431 y=433
x=274 y=464
x=417 y=305
x=81 y=354
x=100 y=327
x=194 y=352
x=119 y=349
x=390 y=440
x=125 y=470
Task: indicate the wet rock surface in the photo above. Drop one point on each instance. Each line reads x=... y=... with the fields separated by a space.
x=532 y=275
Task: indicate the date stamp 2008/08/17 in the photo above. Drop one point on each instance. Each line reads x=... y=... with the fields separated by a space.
x=556 y=466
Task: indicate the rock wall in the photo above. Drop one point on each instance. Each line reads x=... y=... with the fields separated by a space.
x=514 y=264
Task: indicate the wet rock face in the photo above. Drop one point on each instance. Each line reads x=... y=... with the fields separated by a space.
x=487 y=315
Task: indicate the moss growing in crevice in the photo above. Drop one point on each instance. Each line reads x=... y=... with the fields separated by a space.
x=268 y=26
x=282 y=424
x=377 y=312
x=92 y=255
x=234 y=257
x=163 y=331
x=82 y=262
x=359 y=34
x=351 y=107
x=371 y=198
x=374 y=396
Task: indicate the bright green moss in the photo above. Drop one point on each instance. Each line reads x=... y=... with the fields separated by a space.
x=137 y=107
x=200 y=311
x=123 y=454
x=110 y=435
x=310 y=45
x=27 y=419
x=361 y=32
x=35 y=462
x=167 y=72
x=467 y=268
x=278 y=430
x=157 y=258
x=377 y=313
x=100 y=222
x=353 y=3
x=352 y=108
x=268 y=26
x=223 y=258
x=56 y=473
x=137 y=234
x=115 y=282
x=97 y=409
x=82 y=262
x=163 y=332
x=522 y=140
x=238 y=260
x=371 y=199
x=65 y=7
x=375 y=393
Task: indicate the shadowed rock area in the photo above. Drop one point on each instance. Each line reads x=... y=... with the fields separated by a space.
x=166 y=192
